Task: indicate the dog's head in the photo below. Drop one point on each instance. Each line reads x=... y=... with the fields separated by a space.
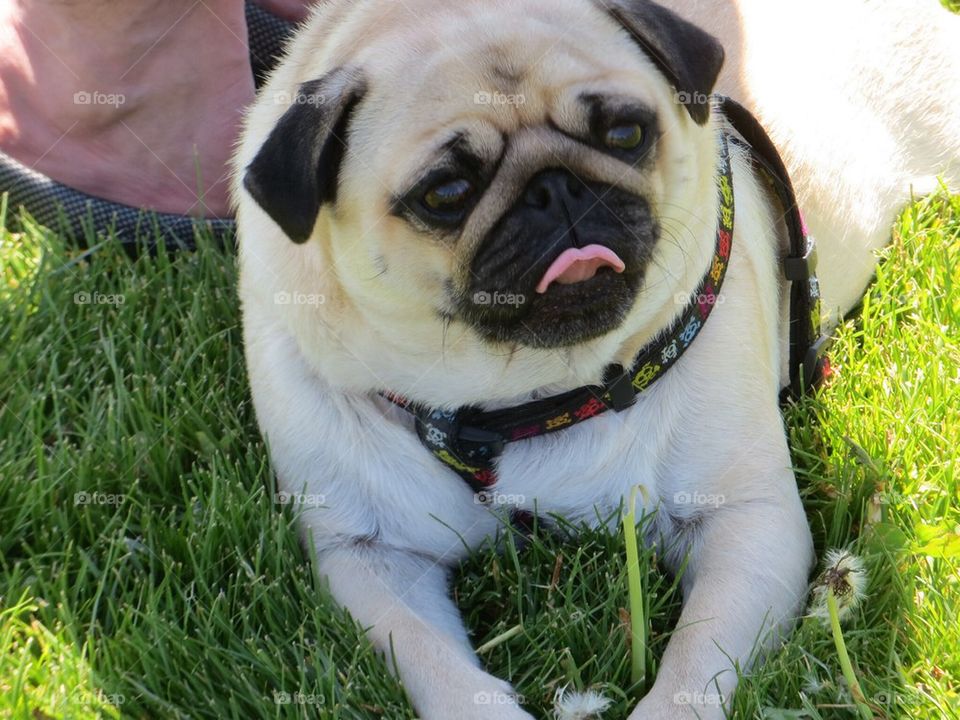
x=510 y=166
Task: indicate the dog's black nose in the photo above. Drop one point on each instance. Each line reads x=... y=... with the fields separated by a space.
x=552 y=189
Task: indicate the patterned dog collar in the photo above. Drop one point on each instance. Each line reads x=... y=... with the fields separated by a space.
x=470 y=440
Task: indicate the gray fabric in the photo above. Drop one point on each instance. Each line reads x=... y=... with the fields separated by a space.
x=267 y=35
x=76 y=213
x=84 y=216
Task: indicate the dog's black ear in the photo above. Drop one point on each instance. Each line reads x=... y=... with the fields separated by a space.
x=689 y=57
x=296 y=169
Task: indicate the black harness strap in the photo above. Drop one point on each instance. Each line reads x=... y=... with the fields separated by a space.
x=809 y=363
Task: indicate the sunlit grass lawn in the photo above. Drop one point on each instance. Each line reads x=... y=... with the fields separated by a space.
x=146 y=572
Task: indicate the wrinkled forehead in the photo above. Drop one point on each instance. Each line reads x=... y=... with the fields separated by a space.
x=478 y=74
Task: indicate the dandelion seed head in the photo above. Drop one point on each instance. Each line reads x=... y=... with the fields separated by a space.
x=844 y=573
x=813 y=685
x=579 y=706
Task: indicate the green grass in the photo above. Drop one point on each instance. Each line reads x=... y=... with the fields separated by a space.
x=145 y=571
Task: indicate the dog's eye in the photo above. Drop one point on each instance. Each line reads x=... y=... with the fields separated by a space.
x=449 y=196
x=625 y=137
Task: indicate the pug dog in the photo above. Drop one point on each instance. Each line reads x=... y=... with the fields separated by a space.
x=490 y=203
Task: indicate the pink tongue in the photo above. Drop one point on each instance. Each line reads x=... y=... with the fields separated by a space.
x=579 y=264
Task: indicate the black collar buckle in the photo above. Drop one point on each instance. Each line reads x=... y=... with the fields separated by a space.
x=804 y=267
x=619 y=386
x=468 y=451
x=486 y=443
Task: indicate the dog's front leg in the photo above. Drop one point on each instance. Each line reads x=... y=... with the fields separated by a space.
x=402 y=599
x=746 y=580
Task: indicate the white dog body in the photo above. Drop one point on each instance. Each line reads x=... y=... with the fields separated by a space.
x=694 y=433
x=390 y=520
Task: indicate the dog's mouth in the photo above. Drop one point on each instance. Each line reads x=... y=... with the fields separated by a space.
x=582 y=294
x=575 y=265
x=557 y=280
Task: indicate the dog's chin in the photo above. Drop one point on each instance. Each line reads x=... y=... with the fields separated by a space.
x=563 y=316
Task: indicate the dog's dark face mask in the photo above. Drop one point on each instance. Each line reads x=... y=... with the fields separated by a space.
x=563 y=265
x=552 y=247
